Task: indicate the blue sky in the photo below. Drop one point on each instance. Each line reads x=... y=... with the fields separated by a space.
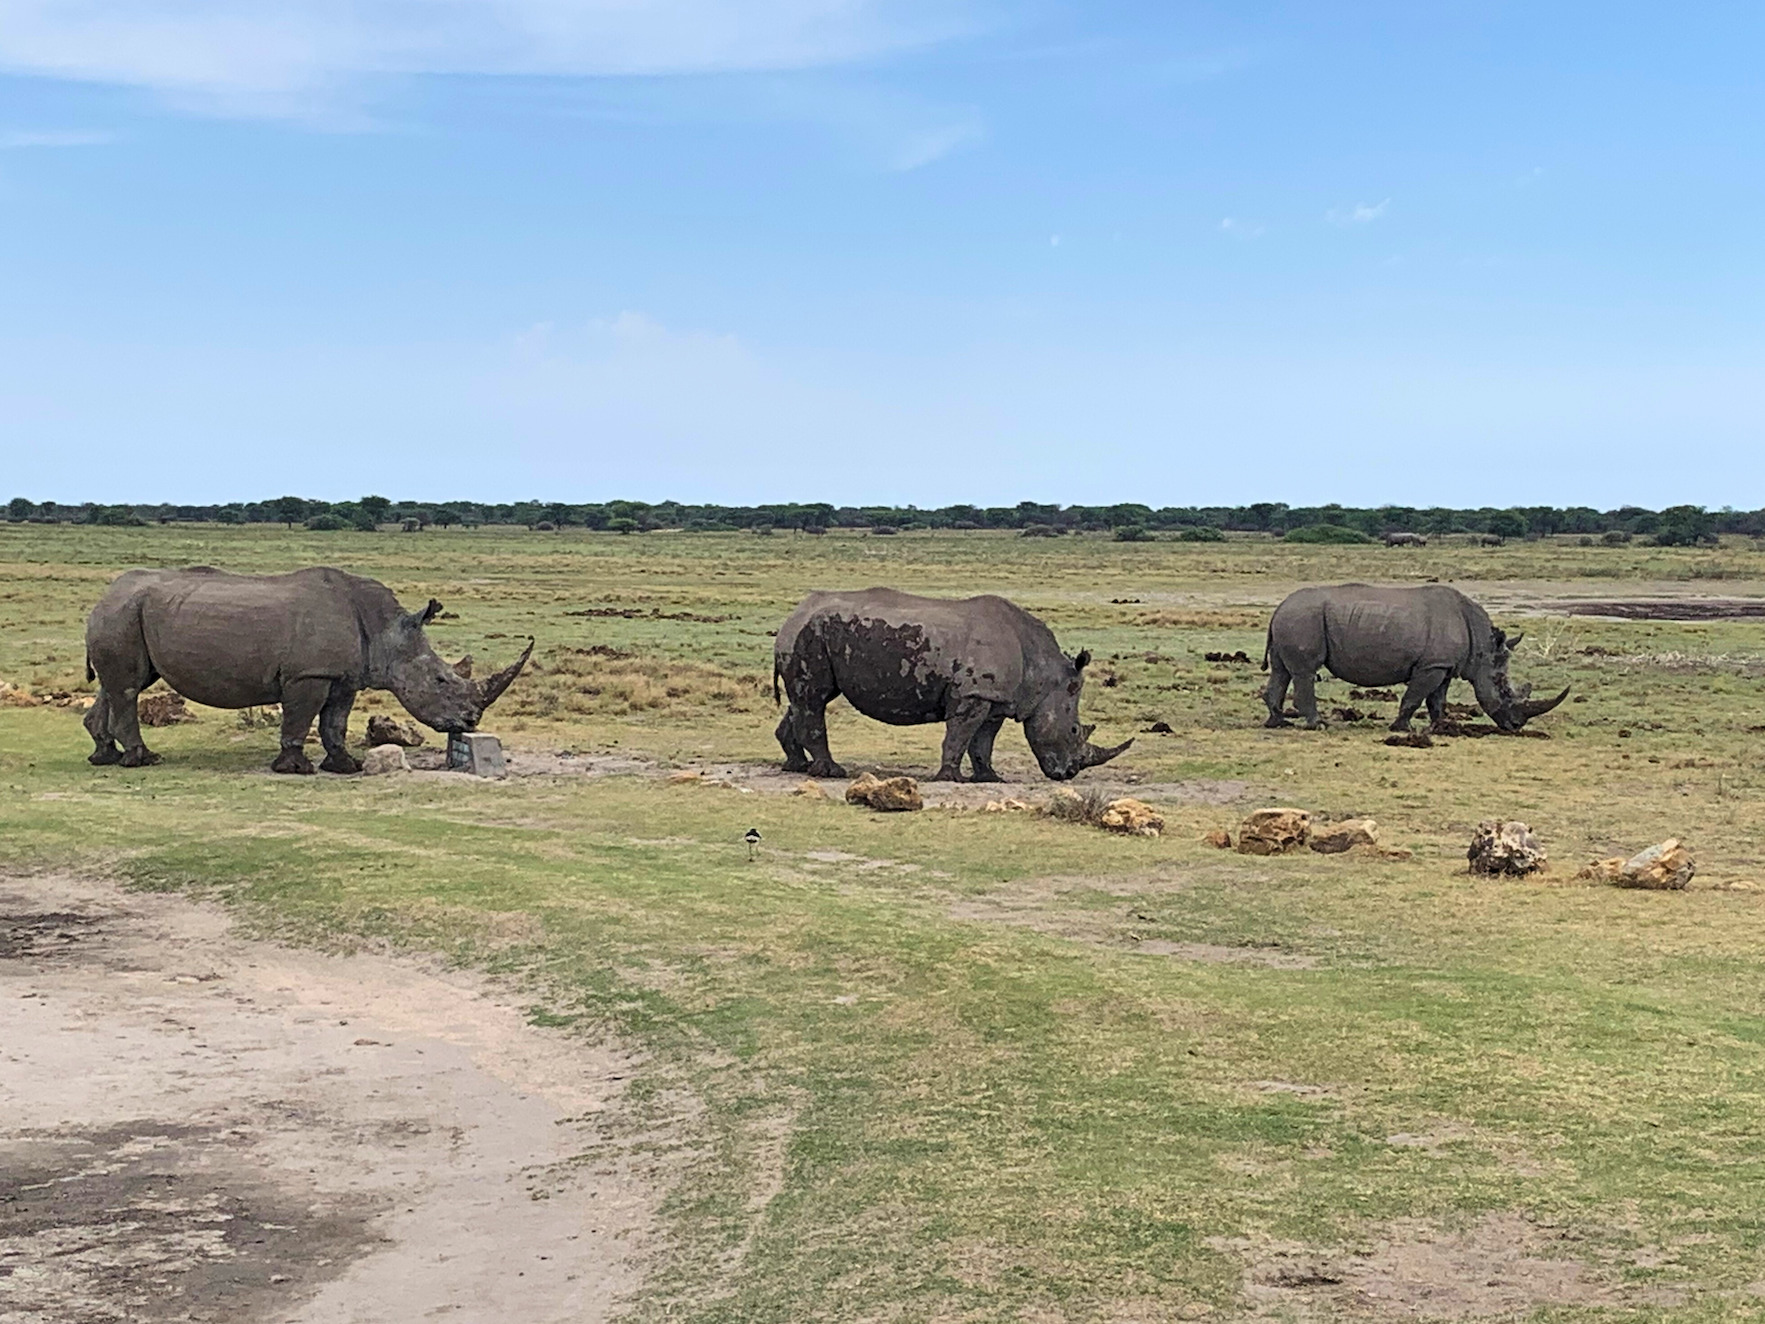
x=862 y=250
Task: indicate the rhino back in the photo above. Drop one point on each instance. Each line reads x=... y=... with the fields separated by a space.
x=1369 y=634
x=232 y=641
x=902 y=658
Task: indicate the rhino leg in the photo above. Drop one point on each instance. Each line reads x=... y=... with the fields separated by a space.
x=812 y=730
x=1421 y=686
x=97 y=725
x=334 y=730
x=301 y=702
x=1305 y=697
x=796 y=758
x=125 y=725
x=1275 y=696
x=960 y=728
x=980 y=750
x=1437 y=706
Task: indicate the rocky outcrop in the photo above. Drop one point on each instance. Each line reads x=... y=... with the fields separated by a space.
x=1667 y=867
x=1274 y=832
x=383 y=730
x=1134 y=818
x=894 y=795
x=1505 y=849
x=383 y=759
x=1334 y=838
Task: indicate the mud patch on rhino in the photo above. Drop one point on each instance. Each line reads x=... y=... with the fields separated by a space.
x=1503 y=1265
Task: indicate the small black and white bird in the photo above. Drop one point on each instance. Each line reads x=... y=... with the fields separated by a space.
x=752 y=837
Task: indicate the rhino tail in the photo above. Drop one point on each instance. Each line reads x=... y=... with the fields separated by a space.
x=91 y=675
x=777 y=694
x=1268 y=646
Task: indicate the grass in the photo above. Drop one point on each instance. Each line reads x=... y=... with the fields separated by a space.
x=936 y=1040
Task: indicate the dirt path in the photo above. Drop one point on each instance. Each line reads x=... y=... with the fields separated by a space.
x=195 y=1126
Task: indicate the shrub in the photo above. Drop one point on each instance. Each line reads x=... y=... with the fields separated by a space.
x=327 y=523
x=1201 y=533
x=1132 y=533
x=1615 y=537
x=885 y=530
x=1086 y=807
x=621 y=524
x=1326 y=533
x=1041 y=531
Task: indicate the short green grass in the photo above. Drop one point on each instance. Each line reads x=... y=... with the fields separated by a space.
x=929 y=1039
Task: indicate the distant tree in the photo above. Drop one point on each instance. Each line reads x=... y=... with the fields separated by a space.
x=1507 y=524
x=229 y=515
x=622 y=524
x=1685 y=526
x=448 y=516
x=376 y=506
x=1325 y=533
x=19 y=509
x=289 y=509
x=327 y=523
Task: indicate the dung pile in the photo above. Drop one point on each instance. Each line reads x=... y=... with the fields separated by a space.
x=1505 y=849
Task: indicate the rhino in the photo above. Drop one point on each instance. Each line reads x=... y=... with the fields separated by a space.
x=1398 y=538
x=1421 y=637
x=969 y=663
x=310 y=641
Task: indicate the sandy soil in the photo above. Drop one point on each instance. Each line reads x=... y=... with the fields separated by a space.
x=195 y=1126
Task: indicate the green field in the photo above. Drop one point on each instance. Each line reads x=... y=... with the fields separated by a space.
x=968 y=1066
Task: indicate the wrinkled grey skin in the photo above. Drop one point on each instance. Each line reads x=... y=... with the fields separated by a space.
x=969 y=663
x=1399 y=539
x=1421 y=638
x=310 y=641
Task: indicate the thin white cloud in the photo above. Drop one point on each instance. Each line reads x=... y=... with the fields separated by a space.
x=246 y=56
x=1241 y=229
x=934 y=144
x=17 y=138
x=1362 y=213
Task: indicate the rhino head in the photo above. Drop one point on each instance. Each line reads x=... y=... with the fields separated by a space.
x=1510 y=708
x=1061 y=744
x=438 y=695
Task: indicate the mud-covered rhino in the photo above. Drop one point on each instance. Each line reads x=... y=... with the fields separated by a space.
x=1420 y=637
x=310 y=641
x=969 y=663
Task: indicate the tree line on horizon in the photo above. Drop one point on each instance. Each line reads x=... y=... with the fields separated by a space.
x=1683 y=525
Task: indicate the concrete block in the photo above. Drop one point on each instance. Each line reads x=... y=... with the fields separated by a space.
x=476 y=753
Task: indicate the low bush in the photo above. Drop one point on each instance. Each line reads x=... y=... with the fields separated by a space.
x=1326 y=533
x=1201 y=533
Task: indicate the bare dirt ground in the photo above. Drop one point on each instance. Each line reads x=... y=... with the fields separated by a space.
x=766 y=779
x=196 y=1126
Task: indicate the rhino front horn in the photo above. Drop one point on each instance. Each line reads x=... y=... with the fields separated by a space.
x=1530 y=708
x=492 y=687
x=1095 y=756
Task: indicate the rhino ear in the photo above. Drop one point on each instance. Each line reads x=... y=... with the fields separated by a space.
x=1498 y=637
x=430 y=612
x=1083 y=660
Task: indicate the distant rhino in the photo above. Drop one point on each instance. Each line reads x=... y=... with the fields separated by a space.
x=969 y=663
x=310 y=641
x=1419 y=637
x=1399 y=538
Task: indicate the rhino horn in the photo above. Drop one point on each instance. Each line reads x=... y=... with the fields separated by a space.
x=493 y=686
x=1095 y=756
x=1530 y=708
x=463 y=668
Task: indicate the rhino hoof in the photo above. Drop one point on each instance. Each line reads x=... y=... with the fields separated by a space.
x=986 y=775
x=826 y=768
x=292 y=761
x=344 y=764
x=948 y=775
x=139 y=758
x=103 y=758
x=1274 y=722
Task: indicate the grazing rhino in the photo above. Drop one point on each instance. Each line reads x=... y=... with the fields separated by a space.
x=969 y=663
x=1398 y=538
x=1419 y=637
x=310 y=641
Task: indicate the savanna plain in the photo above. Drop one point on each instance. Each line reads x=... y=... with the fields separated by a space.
x=968 y=1065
